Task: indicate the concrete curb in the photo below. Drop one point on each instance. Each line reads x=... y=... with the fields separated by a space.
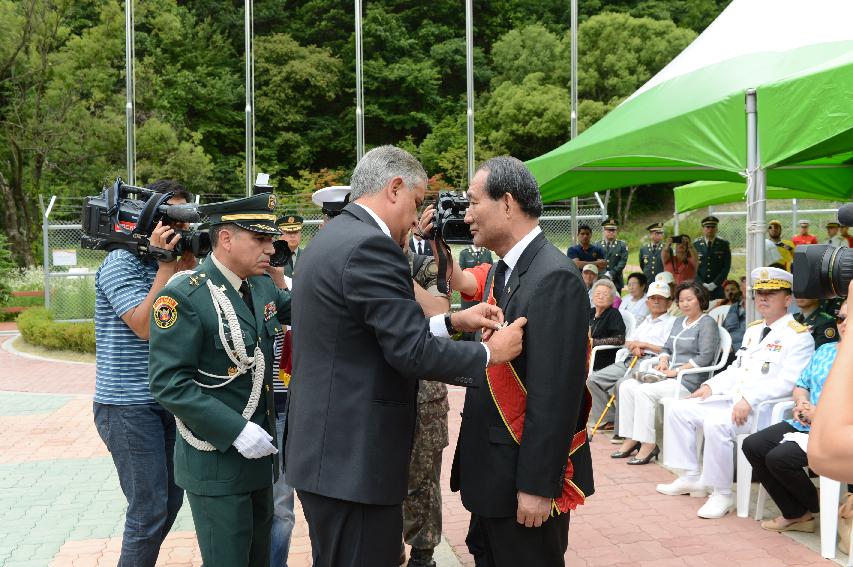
x=9 y=347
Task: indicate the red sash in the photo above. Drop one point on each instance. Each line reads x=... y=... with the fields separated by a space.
x=510 y=397
x=285 y=362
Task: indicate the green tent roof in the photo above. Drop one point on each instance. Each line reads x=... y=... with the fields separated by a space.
x=688 y=122
x=708 y=193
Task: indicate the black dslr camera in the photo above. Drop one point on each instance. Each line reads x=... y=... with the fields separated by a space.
x=822 y=271
x=450 y=226
x=122 y=217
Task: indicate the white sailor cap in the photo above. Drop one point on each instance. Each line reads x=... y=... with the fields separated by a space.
x=330 y=195
x=771 y=279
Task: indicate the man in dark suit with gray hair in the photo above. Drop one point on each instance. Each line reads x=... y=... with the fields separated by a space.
x=360 y=344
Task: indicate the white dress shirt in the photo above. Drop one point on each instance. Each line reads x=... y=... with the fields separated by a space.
x=230 y=276
x=650 y=330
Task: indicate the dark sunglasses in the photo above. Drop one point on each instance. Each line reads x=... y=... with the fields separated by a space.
x=840 y=318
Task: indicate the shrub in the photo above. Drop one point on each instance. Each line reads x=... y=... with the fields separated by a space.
x=38 y=328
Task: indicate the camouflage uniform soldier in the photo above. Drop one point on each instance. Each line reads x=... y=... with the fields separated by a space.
x=422 y=506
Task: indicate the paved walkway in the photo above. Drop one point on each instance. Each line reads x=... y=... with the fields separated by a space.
x=60 y=503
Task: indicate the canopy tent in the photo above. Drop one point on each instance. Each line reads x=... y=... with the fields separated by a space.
x=688 y=122
x=708 y=193
x=789 y=61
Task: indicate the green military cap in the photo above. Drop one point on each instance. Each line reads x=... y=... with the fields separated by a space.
x=255 y=213
x=656 y=227
x=290 y=222
x=832 y=224
x=610 y=223
x=775 y=222
x=710 y=221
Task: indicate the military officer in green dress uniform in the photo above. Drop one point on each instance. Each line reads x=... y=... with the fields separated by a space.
x=650 y=262
x=210 y=363
x=616 y=253
x=290 y=226
x=715 y=258
x=820 y=323
x=471 y=257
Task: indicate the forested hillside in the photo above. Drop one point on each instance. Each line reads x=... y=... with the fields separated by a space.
x=62 y=87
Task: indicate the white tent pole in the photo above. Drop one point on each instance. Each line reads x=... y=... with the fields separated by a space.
x=794 y=216
x=469 y=80
x=755 y=199
x=130 y=90
x=573 y=125
x=359 y=86
x=250 y=96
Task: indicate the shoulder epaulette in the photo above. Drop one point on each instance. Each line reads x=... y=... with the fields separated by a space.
x=189 y=281
x=756 y=322
x=799 y=327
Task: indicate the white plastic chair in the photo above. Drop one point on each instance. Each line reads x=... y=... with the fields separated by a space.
x=718 y=314
x=720 y=360
x=830 y=494
x=763 y=418
x=630 y=326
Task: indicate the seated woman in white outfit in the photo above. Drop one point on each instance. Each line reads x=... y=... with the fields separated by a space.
x=693 y=343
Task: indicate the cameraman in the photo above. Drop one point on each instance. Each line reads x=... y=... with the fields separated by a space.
x=138 y=432
x=682 y=263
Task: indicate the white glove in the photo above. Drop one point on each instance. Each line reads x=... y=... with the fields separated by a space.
x=710 y=286
x=254 y=442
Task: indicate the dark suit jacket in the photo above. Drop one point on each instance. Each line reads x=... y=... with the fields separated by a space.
x=413 y=248
x=490 y=468
x=360 y=344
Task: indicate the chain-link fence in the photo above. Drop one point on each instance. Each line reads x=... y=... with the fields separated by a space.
x=732 y=225
x=69 y=270
x=69 y=279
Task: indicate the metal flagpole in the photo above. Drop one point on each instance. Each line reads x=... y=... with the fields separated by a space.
x=359 y=87
x=573 y=127
x=469 y=71
x=130 y=90
x=755 y=199
x=250 y=96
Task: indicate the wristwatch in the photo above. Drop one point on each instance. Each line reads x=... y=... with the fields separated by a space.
x=451 y=330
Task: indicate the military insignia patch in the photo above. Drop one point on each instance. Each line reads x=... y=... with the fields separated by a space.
x=165 y=312
x=270 y=311
x=272 y=202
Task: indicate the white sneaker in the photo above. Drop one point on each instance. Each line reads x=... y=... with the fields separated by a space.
x=717 y=506
x=683 y=485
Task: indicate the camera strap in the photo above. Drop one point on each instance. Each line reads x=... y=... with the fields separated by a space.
x=441 y=252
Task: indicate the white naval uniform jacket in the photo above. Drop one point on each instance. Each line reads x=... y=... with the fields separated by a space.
x=766 y=369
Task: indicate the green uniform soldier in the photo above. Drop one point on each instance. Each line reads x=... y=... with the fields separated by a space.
x=422 y=506
x=210 y=362
x=615 y=252
x=715 y=258
x=290 y=226
x=471 y=257
x=820 y=323
x=650 y=263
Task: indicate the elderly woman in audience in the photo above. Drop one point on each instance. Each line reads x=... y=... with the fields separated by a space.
x=778 y=453
x=606 y=326
x=646 y=341
x=635 y=302
x=693 y=343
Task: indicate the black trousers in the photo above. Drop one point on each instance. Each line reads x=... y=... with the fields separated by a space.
x=476 y=542
x=779 y=468
x=349 y=534
x=510 y=544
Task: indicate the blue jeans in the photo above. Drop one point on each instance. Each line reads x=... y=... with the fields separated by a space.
x=141 y=440
x=283 y=517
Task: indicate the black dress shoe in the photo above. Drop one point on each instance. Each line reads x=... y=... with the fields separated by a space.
x=625 y=454
x=647 y=459
x=421 y=558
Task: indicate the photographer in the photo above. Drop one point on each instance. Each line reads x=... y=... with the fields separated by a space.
x=138 y=432
x=682 y=263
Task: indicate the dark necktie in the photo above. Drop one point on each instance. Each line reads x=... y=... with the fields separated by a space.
x=500 y=280
x=764 y=332
x=247 y=296
x=420 y=247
